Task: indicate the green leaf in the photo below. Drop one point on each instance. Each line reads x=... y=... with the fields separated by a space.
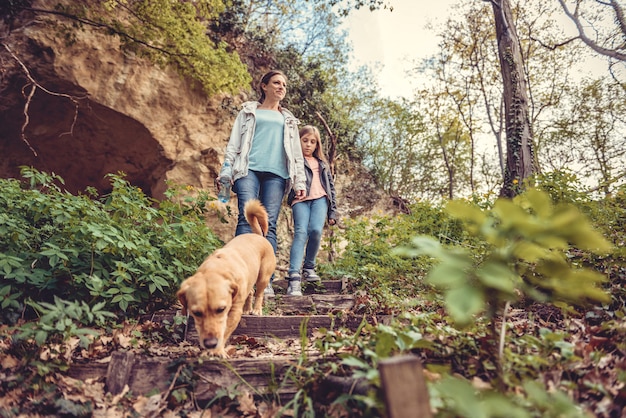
x=352 y=361
x=498 y=276
x=538 y=200
x=41 y=337
x=466 y=211
x=529 y=251
x=463 y=303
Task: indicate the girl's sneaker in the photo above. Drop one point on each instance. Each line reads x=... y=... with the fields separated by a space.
x=310 y=276
x=294 y=287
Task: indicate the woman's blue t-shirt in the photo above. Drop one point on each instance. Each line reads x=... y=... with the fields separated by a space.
x=268 y=146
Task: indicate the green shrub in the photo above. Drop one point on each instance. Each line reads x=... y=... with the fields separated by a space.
x=123 y=249
x=528 y=240
x=369 y=261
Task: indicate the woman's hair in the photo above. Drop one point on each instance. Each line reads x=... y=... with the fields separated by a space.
x=318 y=152
x=266 y=80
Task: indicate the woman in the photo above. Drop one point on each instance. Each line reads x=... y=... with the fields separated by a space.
x=263 y=157
x=310 y=212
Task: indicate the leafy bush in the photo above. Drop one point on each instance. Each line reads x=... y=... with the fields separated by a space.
x=123 y=249
x=369 y=261
x=529 y=239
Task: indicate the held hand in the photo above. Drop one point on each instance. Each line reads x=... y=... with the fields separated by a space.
x=332 y=221
x=300 y=194
x=218 y=183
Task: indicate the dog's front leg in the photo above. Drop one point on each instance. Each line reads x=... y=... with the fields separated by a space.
x=234 y=317
x=258 y=302
x=247 y=306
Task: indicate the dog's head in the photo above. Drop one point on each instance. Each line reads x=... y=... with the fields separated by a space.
x=208 y=297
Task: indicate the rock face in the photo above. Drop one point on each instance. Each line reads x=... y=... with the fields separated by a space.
x=96 y=110
x=85 y=109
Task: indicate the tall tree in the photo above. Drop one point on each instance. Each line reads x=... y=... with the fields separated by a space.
x=520 y=161
x=393 y=141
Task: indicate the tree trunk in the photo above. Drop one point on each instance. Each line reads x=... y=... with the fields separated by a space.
x=520 y=162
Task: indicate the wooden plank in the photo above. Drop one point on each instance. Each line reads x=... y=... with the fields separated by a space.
x=280 y=326
x=288 y=326
x=313 y=303
x=146 y=375
x=404 y=387
x=118 y=372
x=323 y=287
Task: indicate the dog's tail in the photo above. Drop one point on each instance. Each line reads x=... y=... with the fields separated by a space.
x=256 y=215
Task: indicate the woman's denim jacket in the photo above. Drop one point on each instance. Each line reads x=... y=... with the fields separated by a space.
x=237 y=153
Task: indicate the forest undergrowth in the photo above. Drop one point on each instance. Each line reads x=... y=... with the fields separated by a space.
x=511 y=305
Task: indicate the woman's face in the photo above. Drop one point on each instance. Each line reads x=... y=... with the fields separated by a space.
x=309 y=142
x=276 y=88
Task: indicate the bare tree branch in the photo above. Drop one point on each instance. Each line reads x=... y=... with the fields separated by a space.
x=555 y=46
x=619 y=17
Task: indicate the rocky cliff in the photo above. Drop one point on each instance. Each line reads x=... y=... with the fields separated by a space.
x=83 y=109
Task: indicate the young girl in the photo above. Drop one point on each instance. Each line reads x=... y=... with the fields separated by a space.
x=310 y=212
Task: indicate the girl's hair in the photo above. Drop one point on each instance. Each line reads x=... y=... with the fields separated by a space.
x=318 y=152
x=266 y=79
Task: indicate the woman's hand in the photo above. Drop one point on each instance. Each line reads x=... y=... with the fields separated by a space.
x=300 y=194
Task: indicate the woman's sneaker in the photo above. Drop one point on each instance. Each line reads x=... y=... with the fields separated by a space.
x=294 y=287
x=269 y=291
x=310 y=276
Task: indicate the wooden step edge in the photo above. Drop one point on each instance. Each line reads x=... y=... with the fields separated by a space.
x=288 y=326
x=322 y=287
x=145 y=375
x=306 y=304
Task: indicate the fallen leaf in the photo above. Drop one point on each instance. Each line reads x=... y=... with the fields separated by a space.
x=9 y=362
x=246 y=404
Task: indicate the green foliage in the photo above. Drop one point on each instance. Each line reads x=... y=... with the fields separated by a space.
x=528 y=239
x=393 y=143
x=457 y=397
x=368 y=256
x=361 y=353
x=170 y=33
x=123 y=249
x=562 y=186
x=61 y=320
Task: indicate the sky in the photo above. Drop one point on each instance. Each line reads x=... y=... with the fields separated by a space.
x=396 y=40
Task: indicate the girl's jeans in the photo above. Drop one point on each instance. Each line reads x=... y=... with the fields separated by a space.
x=270 y=190
x=308 y=221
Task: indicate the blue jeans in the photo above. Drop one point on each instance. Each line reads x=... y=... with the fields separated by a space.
x=308 y=222
x=270 y=190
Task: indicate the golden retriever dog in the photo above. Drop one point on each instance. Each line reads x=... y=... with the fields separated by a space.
x=221 y=290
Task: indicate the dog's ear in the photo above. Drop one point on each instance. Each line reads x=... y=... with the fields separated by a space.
x=182 y=297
